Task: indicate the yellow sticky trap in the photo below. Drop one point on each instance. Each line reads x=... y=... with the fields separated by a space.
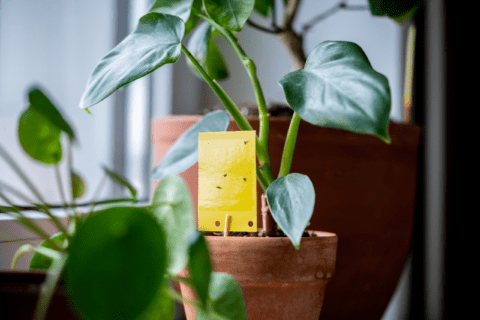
x=227 y=181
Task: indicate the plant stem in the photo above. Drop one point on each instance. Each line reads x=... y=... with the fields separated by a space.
x=32 y=188
x=60 y=186
x=289 y=147
x=262 y=142
x=195 y=304
x=242 y=123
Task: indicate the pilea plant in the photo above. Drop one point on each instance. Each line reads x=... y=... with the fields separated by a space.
x=335 y=87
x=115 y=259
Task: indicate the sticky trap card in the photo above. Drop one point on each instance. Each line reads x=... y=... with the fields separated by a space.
x=227 y=181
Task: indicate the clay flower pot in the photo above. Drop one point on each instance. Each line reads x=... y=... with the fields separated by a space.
x=278 y=281
x=365 y=193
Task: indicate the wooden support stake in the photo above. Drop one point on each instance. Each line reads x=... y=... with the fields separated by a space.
x=225 y=230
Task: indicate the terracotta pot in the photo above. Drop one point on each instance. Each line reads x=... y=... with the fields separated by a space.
x=278 y=281
x=365 y=193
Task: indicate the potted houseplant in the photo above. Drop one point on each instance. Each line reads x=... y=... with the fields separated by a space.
x=337 y=88
x=115 y=260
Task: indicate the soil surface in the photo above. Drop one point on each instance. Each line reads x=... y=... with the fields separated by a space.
x=279 y=233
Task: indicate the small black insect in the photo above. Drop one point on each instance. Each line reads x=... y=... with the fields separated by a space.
x=245 y=142
x=218 y=187
x=225 y=175
x=244 y=179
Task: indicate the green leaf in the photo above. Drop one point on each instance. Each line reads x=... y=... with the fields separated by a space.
x=203 y=48
x=162 y=306
x=230 y=14
x=117 y=263
x=399 y=10
x=41 y=103
x=225 y=298
x=184 y=152
x=193 y=19
x=121 y=181
x=338 y=88
x=291 y=200
x=172 y=205
x=156 y=41
x=42 y=262
x=263 y=7
x=39 y=138
x=78 y=185
x=200 y=266
x=179 y=8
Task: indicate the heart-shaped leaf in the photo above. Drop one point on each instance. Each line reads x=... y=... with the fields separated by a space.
x=399 y=10
x=41 y=103
x=156 y=41
x=117 y=262
x=179 y=8
x=203 y=48
x=338 y=88
x=200 y=266
x=291 y=200
x=225 y=299
x=172 y=205
x=230 y=14
x=184 y=152
x=39 y=138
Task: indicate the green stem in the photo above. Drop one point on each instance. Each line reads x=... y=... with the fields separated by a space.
x=262 y=181
x=195 y=304
x=262 y=141
x=28 y=223
x=289 y=146
x=60 y=186
x=23 y=176
x=242 y=123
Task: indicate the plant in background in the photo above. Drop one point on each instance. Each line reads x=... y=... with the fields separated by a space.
x=334 y=87
x=116 y=259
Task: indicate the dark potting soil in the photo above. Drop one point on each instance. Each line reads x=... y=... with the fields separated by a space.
x=279 y=233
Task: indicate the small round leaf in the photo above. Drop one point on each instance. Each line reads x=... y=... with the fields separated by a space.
x=117 y=262
x=39 y=138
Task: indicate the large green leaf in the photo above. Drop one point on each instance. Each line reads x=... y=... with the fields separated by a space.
x=225 y=299
x=39 y=138
x=172 y=205
x=41 y=262
x=117 y=262
x=155 y=42
x=291 y=200
x=41 y=103
x=179 y=8
x=184 y=152
x=399 y=10
x=230 y=14
x=162 y=306
x=200 y=266
x=263 y=7
x=338 y=88
x=203 y=48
